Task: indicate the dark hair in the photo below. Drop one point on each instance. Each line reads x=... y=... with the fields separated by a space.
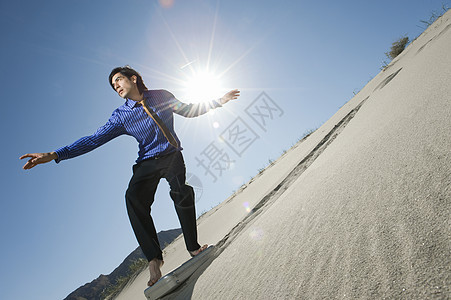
x=128 y=72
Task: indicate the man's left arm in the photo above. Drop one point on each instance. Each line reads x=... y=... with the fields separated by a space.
x=196 y=109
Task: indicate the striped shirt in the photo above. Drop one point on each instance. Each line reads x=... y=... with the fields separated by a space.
x=131 y=119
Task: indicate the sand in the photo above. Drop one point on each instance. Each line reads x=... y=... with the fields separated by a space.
x=358 y=210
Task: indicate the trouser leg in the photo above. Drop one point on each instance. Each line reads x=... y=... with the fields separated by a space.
x=139 y=198
x=183 y=197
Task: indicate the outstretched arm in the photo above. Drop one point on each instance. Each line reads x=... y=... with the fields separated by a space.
x=196 y=109
x=113 y=128
x=38 y=158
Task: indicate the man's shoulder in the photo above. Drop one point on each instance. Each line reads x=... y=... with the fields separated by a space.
x=122 y=110
x=125 y=106
x=159 y=93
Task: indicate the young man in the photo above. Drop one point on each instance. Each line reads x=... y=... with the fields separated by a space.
x=146 y=115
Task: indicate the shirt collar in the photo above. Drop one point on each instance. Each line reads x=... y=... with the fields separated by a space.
x=132 y=104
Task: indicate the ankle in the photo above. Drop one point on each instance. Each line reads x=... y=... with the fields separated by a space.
x=156 y=261
x=198 y=251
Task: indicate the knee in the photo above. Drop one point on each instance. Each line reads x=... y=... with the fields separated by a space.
x=130 y=196
x=183 y=196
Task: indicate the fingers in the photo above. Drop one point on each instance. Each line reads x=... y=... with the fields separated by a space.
x=235 y=94
x=29 y=165
x=28 y=155
x=232 y=95
x=33 y=161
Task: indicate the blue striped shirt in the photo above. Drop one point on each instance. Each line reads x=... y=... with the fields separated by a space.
x=131 y=119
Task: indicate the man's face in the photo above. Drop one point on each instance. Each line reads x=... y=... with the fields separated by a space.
x=124 y=86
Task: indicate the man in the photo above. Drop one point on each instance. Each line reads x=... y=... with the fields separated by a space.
x=146 y=115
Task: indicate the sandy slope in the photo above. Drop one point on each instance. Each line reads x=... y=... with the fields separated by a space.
x=360 y=209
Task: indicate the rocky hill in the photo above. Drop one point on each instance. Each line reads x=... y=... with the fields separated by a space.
x=94 y=289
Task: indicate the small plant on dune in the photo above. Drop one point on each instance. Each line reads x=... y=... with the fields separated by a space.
x=306 y=134
x=397 y=47
x=434 y=16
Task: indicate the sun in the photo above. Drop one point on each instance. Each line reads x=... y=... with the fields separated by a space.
x=202 y=86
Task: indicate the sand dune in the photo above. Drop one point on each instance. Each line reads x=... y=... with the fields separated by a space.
x=360 y=209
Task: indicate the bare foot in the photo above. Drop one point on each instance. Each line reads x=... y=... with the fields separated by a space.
x=155 y=272
x=194 y=253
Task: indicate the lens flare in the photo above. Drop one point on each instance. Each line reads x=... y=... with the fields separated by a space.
x=257 y=234
x=247 y=207
x=166 y=3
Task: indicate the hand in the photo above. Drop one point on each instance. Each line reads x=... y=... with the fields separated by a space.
x=232 y=95
x=38 y=158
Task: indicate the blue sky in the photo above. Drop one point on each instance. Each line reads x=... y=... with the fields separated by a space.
x=63 y=225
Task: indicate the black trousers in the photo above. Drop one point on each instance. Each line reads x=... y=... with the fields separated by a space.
x=140 y=196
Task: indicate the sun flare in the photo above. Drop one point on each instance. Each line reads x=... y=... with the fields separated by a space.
x=202 y=86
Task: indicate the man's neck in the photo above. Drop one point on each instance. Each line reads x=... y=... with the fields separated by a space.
x=137 y=97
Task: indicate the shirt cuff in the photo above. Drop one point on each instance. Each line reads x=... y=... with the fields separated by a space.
x=62 y=153
x=217 y=103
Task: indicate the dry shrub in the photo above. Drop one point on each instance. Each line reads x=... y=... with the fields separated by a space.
x=397 y=47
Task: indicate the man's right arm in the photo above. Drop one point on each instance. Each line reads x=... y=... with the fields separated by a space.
x=88 y=143
x=113 y=128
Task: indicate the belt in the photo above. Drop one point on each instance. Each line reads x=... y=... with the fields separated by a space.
x=157 y=156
